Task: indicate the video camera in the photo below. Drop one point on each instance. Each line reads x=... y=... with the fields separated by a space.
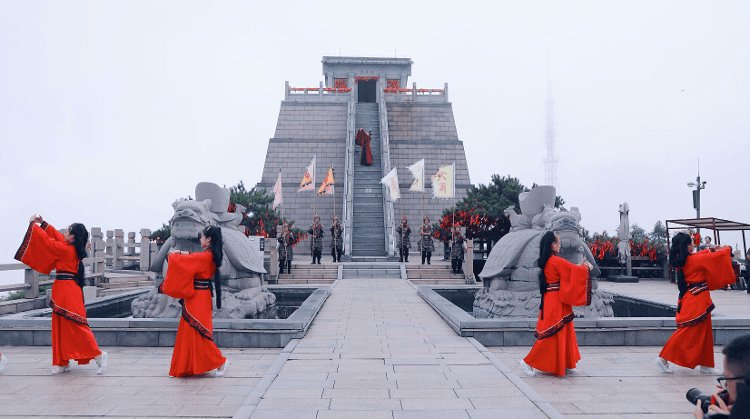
x=740 y=407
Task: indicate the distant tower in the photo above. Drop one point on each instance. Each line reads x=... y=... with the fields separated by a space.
x=550 y=162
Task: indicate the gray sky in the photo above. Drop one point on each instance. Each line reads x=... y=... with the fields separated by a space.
x=109 y=111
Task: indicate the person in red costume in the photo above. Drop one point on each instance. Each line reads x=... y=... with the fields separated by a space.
x=189 y=278
x=692 y=344
x=363 y=139
x=562 y=285
x=44 y=249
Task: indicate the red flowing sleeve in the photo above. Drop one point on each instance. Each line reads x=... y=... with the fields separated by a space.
x=575 y=282
x=358 y=138
x=716 y=266
x=41 y=248
x=182 y=269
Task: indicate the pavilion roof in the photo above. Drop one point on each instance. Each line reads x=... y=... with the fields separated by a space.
x=710 y=223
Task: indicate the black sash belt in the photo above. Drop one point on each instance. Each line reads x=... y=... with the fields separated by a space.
x=65 y=276
x=698 y=288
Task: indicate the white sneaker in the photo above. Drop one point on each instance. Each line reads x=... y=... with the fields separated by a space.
x=221 y=370
x=572 y=371
x=57 y=369
x=663 y=364
x=709 y=370
x=527 y=369
x=3 y=361
x=101 y=362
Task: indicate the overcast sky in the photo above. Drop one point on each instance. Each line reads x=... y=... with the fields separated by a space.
x=109 y=111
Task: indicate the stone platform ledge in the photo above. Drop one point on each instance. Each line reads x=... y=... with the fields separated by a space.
x=609 y=331
x=32 y=328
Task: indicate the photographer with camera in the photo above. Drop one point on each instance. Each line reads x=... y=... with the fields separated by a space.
x=733 y=399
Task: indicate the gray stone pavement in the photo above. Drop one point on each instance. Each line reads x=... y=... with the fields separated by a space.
x=376 y=350
x=136 y=385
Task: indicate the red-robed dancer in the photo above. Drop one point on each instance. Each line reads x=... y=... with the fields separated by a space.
x=189 y=277
x=44 y=249
x=692 y=344
x=363 y=139
x=562 y=285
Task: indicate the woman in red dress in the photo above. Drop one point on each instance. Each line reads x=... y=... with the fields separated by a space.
x=692 y=344
x=562 y=285
x=44 y=249
x=363 y=139
x=189 y=278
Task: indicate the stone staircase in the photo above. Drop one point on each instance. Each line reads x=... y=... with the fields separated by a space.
x=368 y=240
x=117 y=282
x=436 y=274
x=304 y=273
x=368 y=270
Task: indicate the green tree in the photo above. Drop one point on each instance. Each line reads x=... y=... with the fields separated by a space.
x=161 y=235
x=637 y=233
x=659 y=234
x=486 y=205
x=260 y=217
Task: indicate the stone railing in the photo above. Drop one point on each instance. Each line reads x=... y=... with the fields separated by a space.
x=317 y=94
x=416 y=95
x=348 y=209
x=120 y=254
x=94 y=267
x=385 y=150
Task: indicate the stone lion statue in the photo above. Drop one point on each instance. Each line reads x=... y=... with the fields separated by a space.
x=243 y=294
x=510 y=276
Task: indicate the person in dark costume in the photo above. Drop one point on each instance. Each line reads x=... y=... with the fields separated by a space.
x=337 y=242
x=426 y=246
x=363 y=139
x=285 y=250
x=403 y=240
x=316 y=239
x=457 y=250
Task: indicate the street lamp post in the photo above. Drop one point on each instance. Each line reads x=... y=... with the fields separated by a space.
x=697 y=196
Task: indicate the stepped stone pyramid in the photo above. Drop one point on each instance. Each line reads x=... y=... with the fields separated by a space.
x=405 y=125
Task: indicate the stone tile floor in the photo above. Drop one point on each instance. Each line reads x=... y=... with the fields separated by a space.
x=376 y=350
x=136 y=385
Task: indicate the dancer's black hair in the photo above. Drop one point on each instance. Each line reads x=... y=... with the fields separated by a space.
x=678 y=254
x=545 y=252
x=80 y=240
x=214 y=233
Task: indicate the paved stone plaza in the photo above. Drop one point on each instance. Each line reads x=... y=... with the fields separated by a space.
x=376 y=350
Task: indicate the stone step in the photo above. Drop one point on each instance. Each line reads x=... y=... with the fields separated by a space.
x=446 y=267
x=372 y=265
x=369 y=259
x=300 y=264
x=303 y=281
x=422 y=282
x=372 y=244
x=372 y=275
x=433 y=275
x=367 y=253
x=302 y=275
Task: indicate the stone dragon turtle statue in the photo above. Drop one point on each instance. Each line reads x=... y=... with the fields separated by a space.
x=243 y=294
x=510 y=275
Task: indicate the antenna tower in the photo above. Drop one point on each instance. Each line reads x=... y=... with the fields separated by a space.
x=550 y=162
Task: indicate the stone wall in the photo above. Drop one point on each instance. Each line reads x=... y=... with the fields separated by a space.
x=425 y=131
x=305 y=130
x=312 y=121
x=421 y=121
